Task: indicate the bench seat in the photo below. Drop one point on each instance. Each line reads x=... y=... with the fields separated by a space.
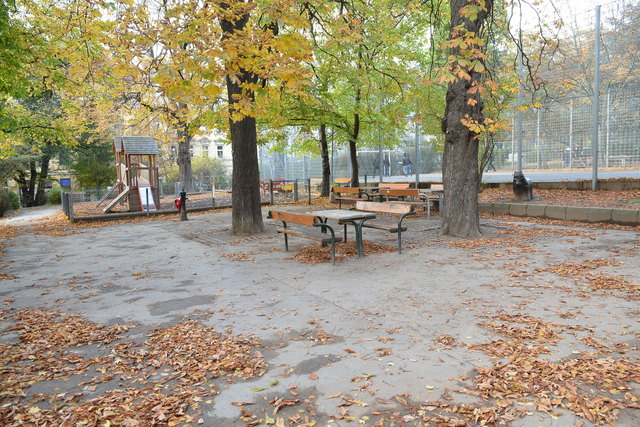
x=307 y=220
x=387 y=208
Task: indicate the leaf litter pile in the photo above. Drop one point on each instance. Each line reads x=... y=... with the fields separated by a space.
x=592 y=385
x=583 y=273
x=516 y=236
x=159 y=381
x=315 y=254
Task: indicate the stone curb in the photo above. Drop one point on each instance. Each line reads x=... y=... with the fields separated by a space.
x=565 y=213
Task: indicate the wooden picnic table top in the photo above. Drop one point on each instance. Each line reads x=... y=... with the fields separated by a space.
x=342 y=214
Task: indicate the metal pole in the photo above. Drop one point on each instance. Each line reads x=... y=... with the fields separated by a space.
x=537 y=138
x=71 y=217
x=606 y=158
x=596 y=105
x=146 y=207
x=571 y=135
x=183 y=205
x=519 y=120
x=417 y=157
x=380 y=162
x=309 y=189
x=513 y=141
x=271 y=191
x=333 y=171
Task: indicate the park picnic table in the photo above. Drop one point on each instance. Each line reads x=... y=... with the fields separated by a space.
x=345 y=217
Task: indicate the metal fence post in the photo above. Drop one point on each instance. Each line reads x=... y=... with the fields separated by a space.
x=271 y=191
x=538 y=147
x=295 y=190
x=309 y=189
x=65 y=203
x=70 y=208
x=596 y=104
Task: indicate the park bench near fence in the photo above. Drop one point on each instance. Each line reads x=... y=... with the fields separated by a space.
x=346 y=194
x=305 y=220
x=388 y=209
x=407 y=196
x=416 y=197
x=393 y=185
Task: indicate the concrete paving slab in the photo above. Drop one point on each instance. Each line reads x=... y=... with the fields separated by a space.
x=157 y=273
x=599 y=215
x=555 y=212
x=576 y=213
x=536 y=211
x=626 y=216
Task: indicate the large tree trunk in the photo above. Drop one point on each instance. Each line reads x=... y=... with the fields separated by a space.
x=353 y=144
x=326 y=167
x=184 y=156
x=41 y=196
x=28 y=186
x=460 y=162
x=246 y=214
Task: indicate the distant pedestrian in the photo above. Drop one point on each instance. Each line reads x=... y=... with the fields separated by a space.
x=376 y=165
x=407 y=165
x=387 y=166
x=490 y=163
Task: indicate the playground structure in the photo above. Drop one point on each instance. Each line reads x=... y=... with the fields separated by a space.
x=137 y=175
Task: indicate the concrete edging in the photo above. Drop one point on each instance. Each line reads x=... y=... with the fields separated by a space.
x=565 y=213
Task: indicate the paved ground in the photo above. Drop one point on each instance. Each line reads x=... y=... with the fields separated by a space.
x=410 y=338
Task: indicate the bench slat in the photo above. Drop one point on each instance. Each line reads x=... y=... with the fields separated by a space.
x=293 y=218
x=393 y=186
x=384 y=207
x=389 y=228
x=346 y=190
x=299 y=233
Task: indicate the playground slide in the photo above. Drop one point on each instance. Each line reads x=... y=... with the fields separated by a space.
x=117 y=199
x=113 y=187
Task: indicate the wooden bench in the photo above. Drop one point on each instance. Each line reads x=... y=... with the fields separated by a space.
x=394 y=185
x=388 y=208
x=408 y=196
x=306 y=220
x=340 y=194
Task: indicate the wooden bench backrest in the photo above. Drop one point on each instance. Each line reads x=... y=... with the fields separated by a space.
x=346 y=190
x=404 y=192
x=437 y=187
x=394 y=186
x=342 y=180
x=384 y=207
x=293 y=217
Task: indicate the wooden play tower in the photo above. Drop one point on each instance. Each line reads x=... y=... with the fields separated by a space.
x=138 y=181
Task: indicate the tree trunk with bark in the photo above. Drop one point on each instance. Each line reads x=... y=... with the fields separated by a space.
x=184 y=156
x=326 y=167
x=353 y=144
x=246 y=214
x=32 y=185
x=41 y=196
x=460 y=162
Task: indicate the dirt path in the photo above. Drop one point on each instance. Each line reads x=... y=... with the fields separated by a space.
x=29 y=215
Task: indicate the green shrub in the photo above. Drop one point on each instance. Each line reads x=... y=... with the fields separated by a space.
x=54 y=196
x=4 y=201
x=14 y=201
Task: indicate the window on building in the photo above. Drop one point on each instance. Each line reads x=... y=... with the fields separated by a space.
x=220 y=151
x=205 y=150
